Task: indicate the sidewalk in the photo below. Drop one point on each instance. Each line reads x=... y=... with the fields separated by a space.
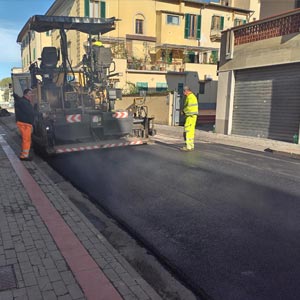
x=252 y=143
x=48 y=249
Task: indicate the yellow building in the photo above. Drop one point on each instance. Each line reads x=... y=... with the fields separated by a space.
x=154 y=38
x=31 y=46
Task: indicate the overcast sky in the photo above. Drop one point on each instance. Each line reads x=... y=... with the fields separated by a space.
x=13 y=15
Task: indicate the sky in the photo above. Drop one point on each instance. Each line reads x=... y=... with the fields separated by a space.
x=13 y=16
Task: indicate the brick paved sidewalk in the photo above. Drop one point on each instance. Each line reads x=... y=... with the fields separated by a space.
x=48 y=249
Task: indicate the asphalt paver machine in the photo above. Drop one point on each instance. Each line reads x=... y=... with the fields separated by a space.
x=75 y=108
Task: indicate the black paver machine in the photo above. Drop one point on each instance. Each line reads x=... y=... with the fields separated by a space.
x=75 y=108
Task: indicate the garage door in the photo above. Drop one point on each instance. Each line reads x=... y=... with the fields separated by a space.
x=267 y=102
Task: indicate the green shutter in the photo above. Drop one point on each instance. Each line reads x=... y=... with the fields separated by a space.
x=222 y=23
x=214 y=55
x=199 y=27
x=212 y=22
x=244 y=21
x=33 y=53
x=103 y=9
x=187 y=26
x=86 y=8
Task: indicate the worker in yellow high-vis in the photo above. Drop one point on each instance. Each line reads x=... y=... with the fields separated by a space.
x=96 y=43
x=190 y=110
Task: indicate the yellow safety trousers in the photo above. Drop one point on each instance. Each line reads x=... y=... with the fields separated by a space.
x=189 y=130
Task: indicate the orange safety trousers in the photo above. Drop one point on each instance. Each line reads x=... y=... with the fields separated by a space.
x=25 y=130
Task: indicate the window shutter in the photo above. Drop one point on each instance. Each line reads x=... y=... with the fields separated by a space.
x=244 y=21
x=212 y=22
x=199 y=27
x=214 y=54
x=187 y=26
x=86 y=8
x=103 y=9
x=222 y=23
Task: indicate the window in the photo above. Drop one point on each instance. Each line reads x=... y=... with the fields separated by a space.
x=48 y=33
x=297 y=4
x=173 y=20
x=94 y=9
x=192 y=27
x=139 y=26
x=161 y=86
x=142 y=86
x=217 y=23
x=202 y=88
x=238 y=22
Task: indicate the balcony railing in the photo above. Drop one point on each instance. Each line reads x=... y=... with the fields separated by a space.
x=173 y=67
x=269 y=28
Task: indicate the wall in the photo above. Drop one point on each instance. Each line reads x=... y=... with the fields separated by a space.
x=224 y=102
x=275 y=7
x=158 y=106
x=277 y=50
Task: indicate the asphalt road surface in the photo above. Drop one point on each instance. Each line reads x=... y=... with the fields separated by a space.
x=227 y=220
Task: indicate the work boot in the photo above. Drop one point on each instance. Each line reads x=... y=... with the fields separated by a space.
x=185 y=149
x=29 y=158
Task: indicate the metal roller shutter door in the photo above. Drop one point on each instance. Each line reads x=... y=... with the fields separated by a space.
x=267 y=102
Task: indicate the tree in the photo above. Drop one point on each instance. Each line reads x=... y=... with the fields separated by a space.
x=5 y=82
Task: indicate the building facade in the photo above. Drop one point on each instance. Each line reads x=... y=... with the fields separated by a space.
x=156 y=37
x=275 y=7
x=259 y=76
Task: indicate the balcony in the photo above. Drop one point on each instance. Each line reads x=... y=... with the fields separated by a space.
x=215 y=35
x=276 y=26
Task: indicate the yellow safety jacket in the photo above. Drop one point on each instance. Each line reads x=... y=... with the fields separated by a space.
x=97 y=43
x=190 y=105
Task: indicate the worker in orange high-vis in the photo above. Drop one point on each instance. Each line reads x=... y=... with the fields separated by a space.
x=24 y=117
x=190 y=110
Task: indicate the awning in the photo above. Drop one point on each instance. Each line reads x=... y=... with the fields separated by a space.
x=42 y=23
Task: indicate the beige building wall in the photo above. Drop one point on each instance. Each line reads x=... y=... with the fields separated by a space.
x=275 y=7
x=254 y=5
x=158 y=106
x=31 y=53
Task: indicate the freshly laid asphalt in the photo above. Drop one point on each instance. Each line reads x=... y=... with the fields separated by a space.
x=224 y=218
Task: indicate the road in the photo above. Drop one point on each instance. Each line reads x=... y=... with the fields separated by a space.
x=226 y=219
